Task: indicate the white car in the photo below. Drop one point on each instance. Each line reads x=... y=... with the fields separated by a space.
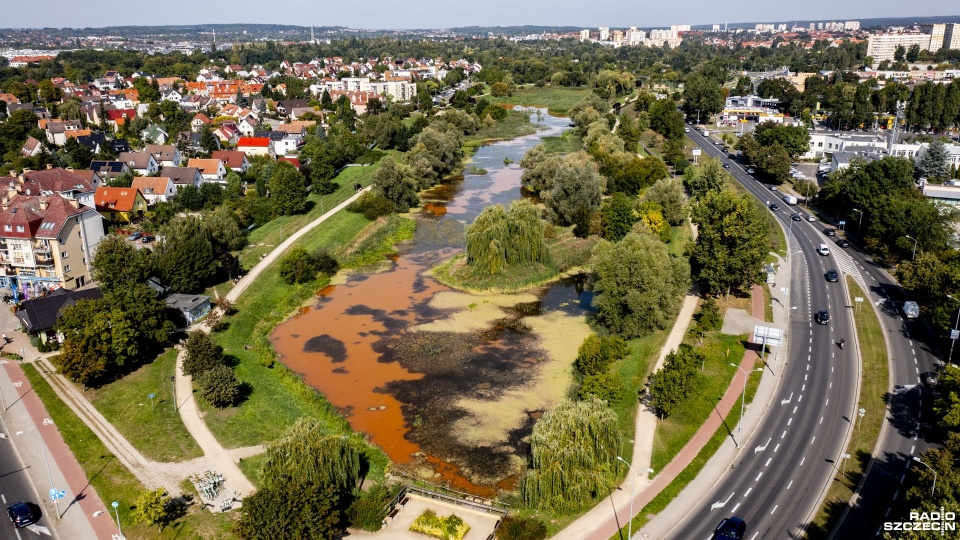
x=686 y=130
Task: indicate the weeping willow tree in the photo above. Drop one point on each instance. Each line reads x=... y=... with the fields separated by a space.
x=498 y=238
x=308 y=452
x=573 y=455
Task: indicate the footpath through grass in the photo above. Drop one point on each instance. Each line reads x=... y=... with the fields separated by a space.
x=155 y=429
x=873 y=398
x=112 y=480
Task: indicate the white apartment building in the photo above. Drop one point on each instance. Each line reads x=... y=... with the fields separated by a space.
x=936 y=32
x=951 y=36
x=883 y=46
x=585 y=35
x=853 y=26
x=604 y=33
x=399 y=90
x=680 y=28
x=635 y=37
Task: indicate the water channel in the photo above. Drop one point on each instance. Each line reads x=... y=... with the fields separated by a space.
x=448 y=384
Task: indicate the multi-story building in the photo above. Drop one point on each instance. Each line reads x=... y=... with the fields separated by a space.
x=46 y=242
x=585 y=35
x=936 y=32
x=852 y=26
x=604 y=33
x=951 y=36
x=883 y=46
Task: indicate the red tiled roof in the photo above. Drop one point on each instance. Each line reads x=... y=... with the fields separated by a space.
x=25 y=212
x=254 y=141
x=115 y=199
x=230 y=158
x=294 y=161
x=55 y=180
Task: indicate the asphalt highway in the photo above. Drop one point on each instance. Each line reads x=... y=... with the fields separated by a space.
x=15 y=486
x=785 y=466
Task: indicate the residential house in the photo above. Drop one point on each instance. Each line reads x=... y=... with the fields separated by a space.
x=191 y=306
x=39 y=315
x=155 y=189
x=256 y=146
x=95 y=142
x=291 y=160
x=284 y=107
x=234 y=159
x=154 y=135
x=63 y=182
x=248 y=126
x=31 y=147
x=109 y=170
x=9 y=99
x=56 y=130
x=183 y=176
x=228 y=133
x=94 y=180
x=142 y=163
x=46 y=243
x=210 y=169
x=167 y=155
x=117 y=118
x=199 y=120
x=120 y=204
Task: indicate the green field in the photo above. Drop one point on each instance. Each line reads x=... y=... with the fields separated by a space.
x=557 y=99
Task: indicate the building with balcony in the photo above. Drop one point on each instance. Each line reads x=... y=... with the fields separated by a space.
x=46 y=243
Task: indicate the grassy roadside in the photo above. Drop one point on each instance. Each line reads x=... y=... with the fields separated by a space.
x=660 y=502
x=873 y=398
x=156 y=429
x=557 y=99
x=675 y=431
x=112 y=481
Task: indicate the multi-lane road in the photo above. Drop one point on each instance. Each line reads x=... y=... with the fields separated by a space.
x=15 y=486
x=785 y=465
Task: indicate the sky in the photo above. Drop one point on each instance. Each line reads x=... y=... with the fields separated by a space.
x=387 y=14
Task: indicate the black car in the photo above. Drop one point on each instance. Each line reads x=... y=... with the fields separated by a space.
x=830 y=232
x=148 y=238
x=795 y=217
x=842 y=242
x=774 y=207
x=822 y=317
x=21 y=514
x=732 y=528
x=832 y=275
x=726 y=165
x=930 y=378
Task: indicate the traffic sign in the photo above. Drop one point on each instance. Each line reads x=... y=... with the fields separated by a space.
x=841 y=223
x=57 y=495
x=954 y=334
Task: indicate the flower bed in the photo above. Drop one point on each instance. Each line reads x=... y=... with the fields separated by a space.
x=447 y=528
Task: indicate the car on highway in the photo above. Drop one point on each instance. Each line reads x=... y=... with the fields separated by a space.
x=731 y=528
x=830 y=231
x=749 y=170
x=811 y=217
x=21 y=514
x=773 y=188
x=774 y=207
x=135 y=236
x=726 y=165
x=930 y=378
x=832 y=275
x=795 y=217
x=842 y=242
x=686 y=130
x=732 y=156
x=822 y=317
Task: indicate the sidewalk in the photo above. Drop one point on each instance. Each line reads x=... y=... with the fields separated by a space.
x=599 y=523
x=223 y=461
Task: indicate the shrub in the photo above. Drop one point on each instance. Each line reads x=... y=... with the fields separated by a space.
x=326 y=263
x=202 y=354
x=219 y=386
x=710 y=318
x=371 y=206
x=366 y=512
x=521 y=528
x=450 y=527
x=596 y=353
x=606 y=386
x=671 y=385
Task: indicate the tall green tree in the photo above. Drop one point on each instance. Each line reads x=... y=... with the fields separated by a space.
x=638 y=284
x=732 y=241
x=288 y=190
x=702 y=97
x=665 y=119
x=185 y=257
x=668 y=193
x=617 y=216
x=294 y=508
x=933 y=163
x=117 y=264
x=576 y=187
x=306 y=450
x=397 y=183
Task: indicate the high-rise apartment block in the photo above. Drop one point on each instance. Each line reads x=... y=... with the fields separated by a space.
x=951 y=36
x=883 y=46
x=604 y=33
x=937 y=32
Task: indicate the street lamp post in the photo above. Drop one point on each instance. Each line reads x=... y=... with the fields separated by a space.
x=115 y=504
x=934 y=486
x=860 y=221
x=173 y=389
x=914 y=257
x=633 y=482
x=46 y=461
x=955 y=325
x=743 y=400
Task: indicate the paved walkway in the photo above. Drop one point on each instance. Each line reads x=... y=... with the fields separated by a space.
x=600 y=523
x=222 y=460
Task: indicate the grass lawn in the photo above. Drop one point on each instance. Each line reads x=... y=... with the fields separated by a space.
x=156 y=431
x=557 y=99
x=677 y=429
x=516 y=124
x=112 y=481
x=277 y=396
x=566 y=143
x=873 y=398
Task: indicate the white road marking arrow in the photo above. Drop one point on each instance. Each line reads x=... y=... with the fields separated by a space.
x=762 y=448
x=785 y=401
x=719 y=504
x=39 y=529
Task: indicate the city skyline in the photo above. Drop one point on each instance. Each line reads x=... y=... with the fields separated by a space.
x=436 y=14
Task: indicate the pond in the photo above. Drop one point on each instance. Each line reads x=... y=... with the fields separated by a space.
x=448 y=384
